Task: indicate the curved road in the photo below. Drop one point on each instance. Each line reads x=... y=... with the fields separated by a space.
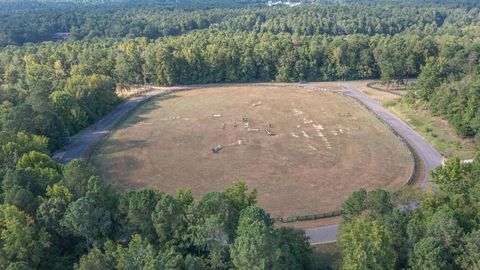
x=425 y=154
x=82 y=144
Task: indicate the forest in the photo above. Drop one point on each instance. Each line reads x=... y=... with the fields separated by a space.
x=439 y=231
x=315 y=19
x=57 y=216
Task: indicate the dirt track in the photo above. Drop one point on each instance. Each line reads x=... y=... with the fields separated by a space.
x=325 y=147
x=85 y=140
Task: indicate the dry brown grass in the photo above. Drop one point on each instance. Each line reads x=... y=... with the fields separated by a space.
x=326 y=146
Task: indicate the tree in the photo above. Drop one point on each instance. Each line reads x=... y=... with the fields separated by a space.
x=137 y=207
x=444 y=227
x=21 y=144
x=396 y=223
x=450 y=178
x=21 y=198
x=469 y=257
x=102 y=193
x=95 y=260
x=354 y=205
x=24 y=184
x=19 y=240
x=239 y=199
x=217 y=205
x=86 y=220
x=431 y=77
x=366 y=245
x=429 y=254
x=294 y=249
x=192 y=263
x=211 y=238
x=49 y=124
x=255 y=246
x=379 y=201
x=68 y=109
x=139 y=255
x=36 y=160
x=95 y=94
x=76 y=174
x=52 y=209
x=18 y=266
x=169 y=222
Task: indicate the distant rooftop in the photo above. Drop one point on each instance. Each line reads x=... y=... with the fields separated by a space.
x=279 y=3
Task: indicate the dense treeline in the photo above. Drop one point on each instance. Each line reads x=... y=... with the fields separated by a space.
x=14 y=6
x=71 y=85
x=441 y=231
x=155 y=22
x=450 y=87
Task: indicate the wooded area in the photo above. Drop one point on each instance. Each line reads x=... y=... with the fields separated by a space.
x=439 y=231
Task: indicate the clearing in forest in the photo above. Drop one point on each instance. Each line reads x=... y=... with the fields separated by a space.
x=305 y=151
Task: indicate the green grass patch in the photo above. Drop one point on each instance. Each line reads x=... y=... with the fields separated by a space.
x=435 y=130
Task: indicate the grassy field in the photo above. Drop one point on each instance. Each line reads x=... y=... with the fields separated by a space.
x=322 y=147
x=436 y=130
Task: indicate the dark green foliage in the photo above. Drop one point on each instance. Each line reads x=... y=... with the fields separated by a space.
x=155 y=21
x=95 y=260
x=136 y=208
x=354 y=205
x=469 y=257
x=429 y=254
x=379 y=201
x=76 y=175
x=294 y=249
x=440 y=234
x=169 y=221
x=84 y=219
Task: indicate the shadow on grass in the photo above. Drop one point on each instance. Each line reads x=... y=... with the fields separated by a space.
x=116 y=146
x=136 y=115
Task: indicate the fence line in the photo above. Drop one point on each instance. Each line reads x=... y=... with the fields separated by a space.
x=370 y=85
x=306 y=217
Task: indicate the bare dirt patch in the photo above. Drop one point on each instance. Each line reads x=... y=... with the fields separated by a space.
x=305 y=151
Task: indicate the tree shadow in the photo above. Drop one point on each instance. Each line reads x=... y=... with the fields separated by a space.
x=136 y=115
x=115 y=146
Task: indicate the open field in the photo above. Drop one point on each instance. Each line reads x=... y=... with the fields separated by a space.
x=324 y=147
